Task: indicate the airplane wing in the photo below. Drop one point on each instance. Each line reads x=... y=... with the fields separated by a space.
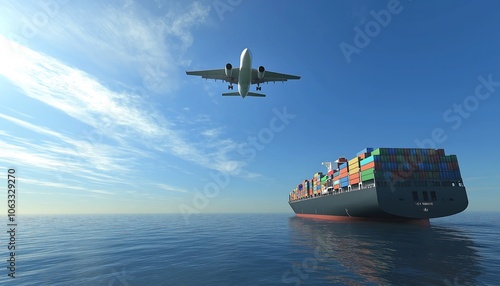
x=271 y=77
x=217 y=74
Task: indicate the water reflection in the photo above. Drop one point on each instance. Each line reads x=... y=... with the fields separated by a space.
x=372 y=253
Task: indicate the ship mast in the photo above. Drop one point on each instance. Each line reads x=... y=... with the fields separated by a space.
x=328 y=165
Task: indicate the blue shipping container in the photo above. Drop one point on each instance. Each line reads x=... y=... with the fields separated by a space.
x=366 y=150
x=366 y=161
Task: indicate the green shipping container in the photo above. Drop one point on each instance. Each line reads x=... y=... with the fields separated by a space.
x=368 y=172
x=367 y=177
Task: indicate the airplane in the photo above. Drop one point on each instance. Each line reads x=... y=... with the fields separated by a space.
x=244 y=76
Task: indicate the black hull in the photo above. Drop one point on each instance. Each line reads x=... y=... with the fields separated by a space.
x=385 y=203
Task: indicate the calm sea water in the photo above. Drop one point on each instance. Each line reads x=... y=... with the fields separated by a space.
x=253 y=249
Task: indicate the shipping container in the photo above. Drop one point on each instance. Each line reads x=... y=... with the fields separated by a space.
x=354 y=181
x=367 y=160
x=357 y=175
x=354 y=171
x=354 y=161
x=366 y=150
x=366 y=177
x=367 y=166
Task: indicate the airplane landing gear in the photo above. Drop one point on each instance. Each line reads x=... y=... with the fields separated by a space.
x=258 y=88
x=230 y=87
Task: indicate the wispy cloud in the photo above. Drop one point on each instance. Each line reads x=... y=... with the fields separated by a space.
x=171 y=188
x=61 y=186
x=148 y=46
x=115 y=46
x=123 y=117
x=59 y=151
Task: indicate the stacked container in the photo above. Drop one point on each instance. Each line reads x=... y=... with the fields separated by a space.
x=354 y=171
x=317 y=183
x=344 y=174
x=307 y=187
x=415 y=164
x=385 y=164
x=367 y=168
x=323 y=183
x=364 y=153
x=336 y=179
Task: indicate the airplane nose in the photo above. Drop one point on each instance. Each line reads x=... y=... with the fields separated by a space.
x=246 y=51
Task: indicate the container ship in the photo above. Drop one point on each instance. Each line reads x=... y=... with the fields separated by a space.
x=385 y=183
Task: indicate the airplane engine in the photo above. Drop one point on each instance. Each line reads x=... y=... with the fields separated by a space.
x=260 y=72
x=228 y=70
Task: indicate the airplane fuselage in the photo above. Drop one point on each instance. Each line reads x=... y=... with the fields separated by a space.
x=245 y=75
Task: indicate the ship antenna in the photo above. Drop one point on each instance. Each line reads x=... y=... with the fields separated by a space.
x=328 y=165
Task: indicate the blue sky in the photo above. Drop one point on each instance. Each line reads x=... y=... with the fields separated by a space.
x=98 y=116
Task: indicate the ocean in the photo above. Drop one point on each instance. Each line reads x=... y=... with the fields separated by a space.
x=252 y=249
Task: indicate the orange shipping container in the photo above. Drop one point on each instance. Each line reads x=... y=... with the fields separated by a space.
x=354 y=181
x=354 y=176
x=364 y=155
x=370 y=165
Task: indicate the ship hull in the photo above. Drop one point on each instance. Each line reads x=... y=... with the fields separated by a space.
x=385 y=203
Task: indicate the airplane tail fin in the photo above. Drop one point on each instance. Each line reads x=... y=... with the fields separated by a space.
x=231 y=94
x=256 y=94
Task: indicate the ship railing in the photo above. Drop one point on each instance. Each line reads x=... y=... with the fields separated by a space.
x=332 y=191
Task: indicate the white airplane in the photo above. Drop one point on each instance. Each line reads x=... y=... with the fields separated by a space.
x=244 y=76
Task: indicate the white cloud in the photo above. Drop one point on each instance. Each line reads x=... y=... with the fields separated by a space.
x=123 y=41
x=211 y=133
x=171 y=188
x=110 y=44
x=62 y=186
x=123 y=117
